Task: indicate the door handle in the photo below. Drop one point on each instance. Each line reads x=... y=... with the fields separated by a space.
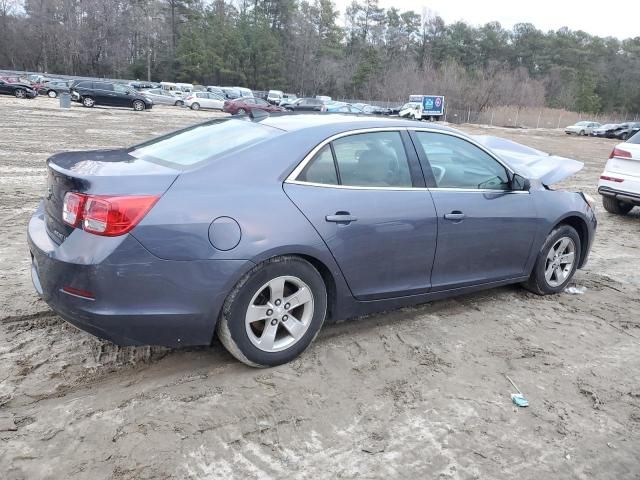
x=456 y=216
x=341 y=217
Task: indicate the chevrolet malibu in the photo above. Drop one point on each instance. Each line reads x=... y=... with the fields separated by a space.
x=261 y=229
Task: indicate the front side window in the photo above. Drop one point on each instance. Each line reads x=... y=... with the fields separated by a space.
x=457 y=163
x=363 y=160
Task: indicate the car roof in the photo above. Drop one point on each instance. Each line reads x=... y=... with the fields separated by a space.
x=342 y=122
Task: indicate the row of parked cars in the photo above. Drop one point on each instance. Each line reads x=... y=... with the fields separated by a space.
x=143 y=95
x=621 y=131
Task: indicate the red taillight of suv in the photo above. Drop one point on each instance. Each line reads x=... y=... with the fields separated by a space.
x=617 y=152
x=106 y=215
x=190 y=97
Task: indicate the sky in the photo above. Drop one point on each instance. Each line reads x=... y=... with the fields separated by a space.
x=592 y=16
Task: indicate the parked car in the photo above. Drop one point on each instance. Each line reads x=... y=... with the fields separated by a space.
x=163 y=97
x=275 y=96
x=619 y=183
x=91 y=93
x=231 y=93
x=341 y=107
x=244 y=92
x=198 y=100
x=606 y=131
x=581 y=128
x=305 y=105
x=18 y=90
x=142 y=85
x=410 y=110
x=244 y=105
x=54 y=88
x=216 y=90
x=287 y=98
x=168 y=242
x=626 y=130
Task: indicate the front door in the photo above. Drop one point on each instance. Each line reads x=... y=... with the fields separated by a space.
x=362 y=194
x=485 y=229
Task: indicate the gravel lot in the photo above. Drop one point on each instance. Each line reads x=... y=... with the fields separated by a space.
x=414 y=393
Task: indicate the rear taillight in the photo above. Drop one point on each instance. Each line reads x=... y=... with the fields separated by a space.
x=106 y=215
x=611 y=179
x=72 y=208
x=189 y=97
x=617 y=152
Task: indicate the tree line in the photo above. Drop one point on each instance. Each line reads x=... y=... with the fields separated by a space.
x=307 y=47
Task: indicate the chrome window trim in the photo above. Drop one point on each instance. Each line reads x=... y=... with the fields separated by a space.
x=298 y=170
x=292 y=177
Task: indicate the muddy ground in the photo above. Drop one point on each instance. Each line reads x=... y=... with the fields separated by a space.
x=414 y=393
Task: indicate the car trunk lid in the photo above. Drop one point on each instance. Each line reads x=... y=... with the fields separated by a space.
x=99 y=172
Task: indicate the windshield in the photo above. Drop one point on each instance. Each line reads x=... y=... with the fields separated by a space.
x=203 y=142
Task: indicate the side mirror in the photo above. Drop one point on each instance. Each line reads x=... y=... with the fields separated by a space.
x=519 y=183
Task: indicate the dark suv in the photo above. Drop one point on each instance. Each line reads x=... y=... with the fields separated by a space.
x=91 y=93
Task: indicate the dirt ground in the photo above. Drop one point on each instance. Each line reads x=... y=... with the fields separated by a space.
x=415 y=393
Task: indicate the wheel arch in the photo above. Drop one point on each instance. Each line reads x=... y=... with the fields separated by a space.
x=580 y=226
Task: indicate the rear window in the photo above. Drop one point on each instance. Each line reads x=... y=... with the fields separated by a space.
x=635 y=139
x=203 y=142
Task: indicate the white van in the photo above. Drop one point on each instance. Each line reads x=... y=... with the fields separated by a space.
x=244 y=92
x=275 y=96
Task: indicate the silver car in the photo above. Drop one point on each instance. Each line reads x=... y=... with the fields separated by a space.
x=581 y=128
x=198 y=100
x=163 y=97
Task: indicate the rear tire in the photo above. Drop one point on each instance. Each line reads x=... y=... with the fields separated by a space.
x=52 y=94
x=582 y=134
x=293 y=314
x=613 y=205
x=547 y=278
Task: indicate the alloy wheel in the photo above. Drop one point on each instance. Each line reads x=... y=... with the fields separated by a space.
x=88 y=102
x=52 y=94
x=559 y=261
x=20 y=93
x=138 y=106
x=279 y=314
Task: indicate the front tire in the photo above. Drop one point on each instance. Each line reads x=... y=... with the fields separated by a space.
x=52 y=94
x=274 y=312
x=612 y=205
x=179 y=103
x=556 y=263
x=88 y=102
x=582 y=134
x=138 y=105
x=195 y=106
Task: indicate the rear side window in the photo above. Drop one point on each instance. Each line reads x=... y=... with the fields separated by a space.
x=203 y=142
x=361 y=160
x=321 y=169
x=635 y=139
x=102 y=86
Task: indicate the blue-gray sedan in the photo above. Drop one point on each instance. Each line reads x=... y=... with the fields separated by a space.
x=260 y=230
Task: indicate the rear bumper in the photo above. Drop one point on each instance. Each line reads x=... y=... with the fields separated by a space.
x=626 y=191
x=140 y=299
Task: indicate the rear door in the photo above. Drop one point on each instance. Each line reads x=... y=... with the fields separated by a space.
x=485 y=229
x=104 y=94
x=364 y=194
